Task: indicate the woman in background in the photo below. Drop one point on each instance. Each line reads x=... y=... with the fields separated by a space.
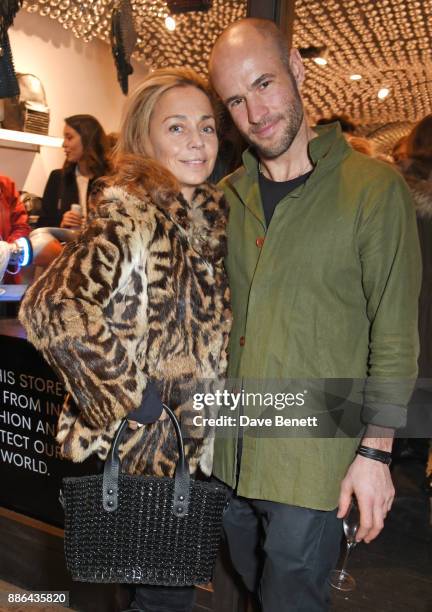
x=66 y=196
x=86 y=149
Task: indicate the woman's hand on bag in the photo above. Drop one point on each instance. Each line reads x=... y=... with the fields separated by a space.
x=135 y=425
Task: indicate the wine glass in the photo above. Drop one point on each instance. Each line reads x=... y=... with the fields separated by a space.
x=341 y=579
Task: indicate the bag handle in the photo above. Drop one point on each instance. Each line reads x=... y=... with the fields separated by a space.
x=112 y=467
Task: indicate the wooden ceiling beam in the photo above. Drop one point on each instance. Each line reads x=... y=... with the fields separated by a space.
x=279 y=11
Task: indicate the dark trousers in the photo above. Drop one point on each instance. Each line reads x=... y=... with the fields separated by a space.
x=163 y=599
x=283 y=553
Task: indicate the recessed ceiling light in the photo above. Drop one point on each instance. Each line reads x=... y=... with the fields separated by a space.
x=170 y=23
x=355 y=77
x=321 y=61
x=383 y=93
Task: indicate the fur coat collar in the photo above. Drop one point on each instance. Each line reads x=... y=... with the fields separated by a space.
x=202 y=221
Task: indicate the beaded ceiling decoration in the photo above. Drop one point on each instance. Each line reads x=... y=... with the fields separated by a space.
x=386 y=42
x=188 y=45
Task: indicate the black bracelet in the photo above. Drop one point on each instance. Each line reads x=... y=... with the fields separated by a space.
x=375 y=454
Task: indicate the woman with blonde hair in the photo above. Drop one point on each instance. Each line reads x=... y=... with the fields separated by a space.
x=135 y=313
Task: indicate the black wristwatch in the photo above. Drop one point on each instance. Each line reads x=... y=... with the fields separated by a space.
x=375 y=454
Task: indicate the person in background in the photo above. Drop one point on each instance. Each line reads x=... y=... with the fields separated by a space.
x=66 y=200
x=13 y=220
x=399 y=151
x=416 y=168
x=417 y=171
x=86 y=149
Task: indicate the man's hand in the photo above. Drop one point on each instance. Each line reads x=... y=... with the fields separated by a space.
x=370 y=481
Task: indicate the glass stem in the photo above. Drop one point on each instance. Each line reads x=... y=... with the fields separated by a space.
x=349 y=547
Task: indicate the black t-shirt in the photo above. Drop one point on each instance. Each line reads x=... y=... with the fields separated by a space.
x=272 y=192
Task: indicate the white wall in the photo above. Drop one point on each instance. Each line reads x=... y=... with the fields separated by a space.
x=78 y=77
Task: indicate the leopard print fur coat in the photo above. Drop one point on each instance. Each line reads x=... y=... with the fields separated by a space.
x=141 y=295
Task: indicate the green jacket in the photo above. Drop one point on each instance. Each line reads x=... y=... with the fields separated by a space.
x=330 y=294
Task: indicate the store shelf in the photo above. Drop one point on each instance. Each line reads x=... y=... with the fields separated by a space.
x=26 y=141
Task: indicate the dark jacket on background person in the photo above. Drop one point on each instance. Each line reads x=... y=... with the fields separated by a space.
x=421 y=190
x=60 y=192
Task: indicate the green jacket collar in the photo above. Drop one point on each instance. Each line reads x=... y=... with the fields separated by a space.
x=327 y=150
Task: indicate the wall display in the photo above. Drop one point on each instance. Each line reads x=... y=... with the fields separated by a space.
x=28 y=111
x=8 y=81
x=31 y=468
x=123 y=41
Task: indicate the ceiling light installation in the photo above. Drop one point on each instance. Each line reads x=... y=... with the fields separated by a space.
x=198 y=24
x=387 y=42
x=321 y=61
x=170 y=23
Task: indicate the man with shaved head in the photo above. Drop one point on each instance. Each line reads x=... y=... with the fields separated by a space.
x=324 y=268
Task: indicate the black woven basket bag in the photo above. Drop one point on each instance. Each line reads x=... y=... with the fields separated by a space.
x=142 y=529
